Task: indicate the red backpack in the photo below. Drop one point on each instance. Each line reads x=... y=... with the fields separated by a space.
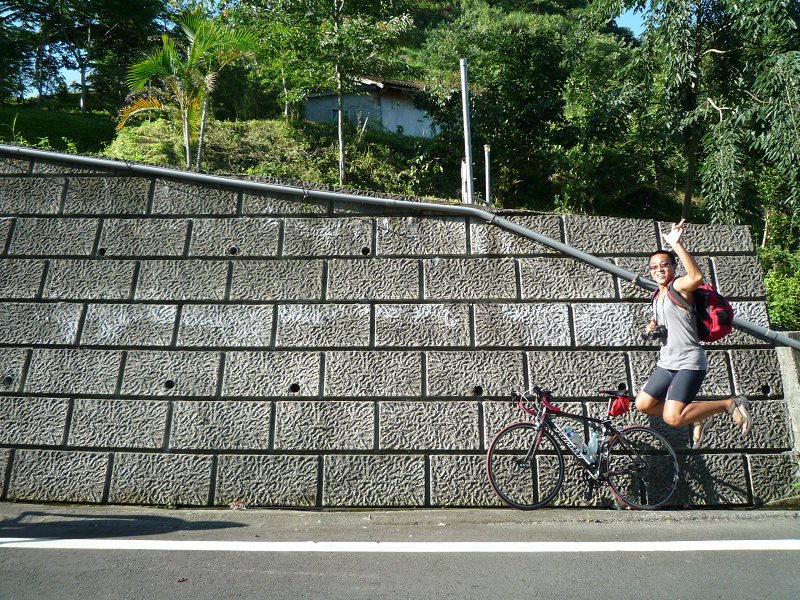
x=713 y=311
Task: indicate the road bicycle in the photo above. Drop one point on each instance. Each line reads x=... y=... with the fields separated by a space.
x=525 y=460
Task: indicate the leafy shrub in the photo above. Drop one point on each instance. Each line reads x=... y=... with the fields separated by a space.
x=782 y=283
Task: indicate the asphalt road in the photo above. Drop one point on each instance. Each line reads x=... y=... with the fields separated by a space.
x=81 y=552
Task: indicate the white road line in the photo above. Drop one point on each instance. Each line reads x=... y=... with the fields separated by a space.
x=404 y=547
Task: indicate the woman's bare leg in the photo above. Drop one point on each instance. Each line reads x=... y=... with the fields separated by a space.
x=677 y=413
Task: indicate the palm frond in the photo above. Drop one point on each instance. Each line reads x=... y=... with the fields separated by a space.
x=138 y=105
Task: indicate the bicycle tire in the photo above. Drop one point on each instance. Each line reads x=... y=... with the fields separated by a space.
x=642 y=468
x=525 y=484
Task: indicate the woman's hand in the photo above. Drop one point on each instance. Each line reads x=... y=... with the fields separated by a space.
x=674 y=236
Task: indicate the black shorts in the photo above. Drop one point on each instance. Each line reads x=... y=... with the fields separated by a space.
x=682 y=385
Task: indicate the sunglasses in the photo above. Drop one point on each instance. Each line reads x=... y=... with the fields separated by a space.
x=663 y=265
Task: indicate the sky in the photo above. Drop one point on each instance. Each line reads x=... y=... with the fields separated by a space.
x=631 y=21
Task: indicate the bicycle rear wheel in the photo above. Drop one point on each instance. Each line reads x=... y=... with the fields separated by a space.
x=525 y=466
x=642 y=468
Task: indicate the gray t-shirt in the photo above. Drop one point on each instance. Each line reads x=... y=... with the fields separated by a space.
x=681 y=348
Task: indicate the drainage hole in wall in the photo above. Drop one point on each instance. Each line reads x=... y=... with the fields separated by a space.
x=233 y=250
x=101 y=252
x=169 y=384
x=365 y=251
x=8 y=380
x=477 y=390
x=765 y=389
x=294 y=388
x=622 y=387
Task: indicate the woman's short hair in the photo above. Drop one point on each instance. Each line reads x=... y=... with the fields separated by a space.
x=673 y=259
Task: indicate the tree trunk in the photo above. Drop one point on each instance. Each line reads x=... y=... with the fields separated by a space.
x=340 y=124
x=202 y=133
x=285 y=95
x=186 y=140
x=83 y=87
x=691 y=169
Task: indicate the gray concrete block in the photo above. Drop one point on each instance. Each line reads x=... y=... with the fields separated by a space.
x=611 y=324
x=73 y=371
x=177 y=198
x=773 y=476
x=413 y=236
x=235 y=237
x=225 y=325
x=182 y=280
x=277 y=280
x=320 y=326
x=754 y=312
x=107 y=196
x=771 y=429
x=756 y=373
x=129 y=325
x=486 y=238
x=170 y=373
x=221 y=425
x=89 y=279
x=717 y=383
x=42 y=166
x=711 y=480
x=712 y=239
x=563 y=279
x=170 y=479
x=267 y=480
x=143 y=237
x=470 y=279
x=522 y=325
x=39 y=323
x=371 y=480
x=34 y=421
x=273 y=203
x=38 y=195
x=53 y=237
x=422 y=325
x=56 y=476
x=373 y=374
x=577 y=374
x=474 y=374
x=118 y=423
x=5 y=230
x=13 y=166
x=324 y=425
x=20 y=278
x=610 y=235
x=12 y=362
x=271 y=374
x=426 y=426
x=739 y=276
x=497 y=415
x=461 y=480
x=5 y=457
x=373 y=279
x=327 y=237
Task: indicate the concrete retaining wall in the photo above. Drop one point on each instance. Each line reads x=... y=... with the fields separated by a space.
x=164 y=343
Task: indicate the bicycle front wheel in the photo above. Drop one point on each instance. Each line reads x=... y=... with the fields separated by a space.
x=642 y=468
x=525 y=466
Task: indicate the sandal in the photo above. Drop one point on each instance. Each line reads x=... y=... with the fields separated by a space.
x=740 y=413
x=699 y=430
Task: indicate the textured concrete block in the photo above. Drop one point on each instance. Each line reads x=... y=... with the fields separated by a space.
x=468 y=279
x=225 y=425
x=267 y=480
x=713 y=239
x=39 y=323
x=269 y=374
x=610 y=235
x=422 y=325
x=12 y=361
x=171 y=479
x=41 y=166
x=717 y=383
x=610 y=324
x=89 y=279
x=235 y=237
x=757 y=373
x=498 y=415
x=771 y=429
x=324 y=426
x=20 y=278
x=5 y=457
x=277 y=280
x=413 y=236
x=176 y=198
x=773 y=476
x=55 y=476
x=170 y=373
x=143 y=237
x=461 y=481
x=522 y=325
x=373 y=374
x=374 y=279
x=711 y=480
x=429 y=426
x=15 y=166
x=319 y=326
x=563 y=279
x=34 y=421
x=225 y=325
x=488 y=238
x=182 y=280
x=129 y=325
x=118 y=423
x=5 y=231
x=373 y=481
x=39 y=195
x=739 y=276
x=327 y=237
x=53 y=237
x=754 y=312
x=73 y=371
x=474 y=373
x=577 y=374
x=107 y=196
x=273 y=203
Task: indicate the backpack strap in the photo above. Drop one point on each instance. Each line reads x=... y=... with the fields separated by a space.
x=677 y=299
